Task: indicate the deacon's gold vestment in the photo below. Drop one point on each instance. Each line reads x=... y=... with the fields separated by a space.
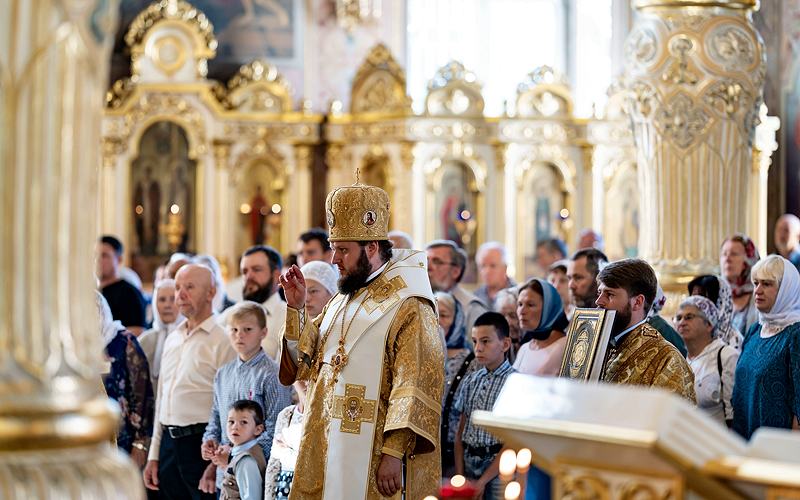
x=408 y=409
x=644 y=357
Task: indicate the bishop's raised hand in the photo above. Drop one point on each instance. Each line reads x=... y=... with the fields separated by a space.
x=294 y=287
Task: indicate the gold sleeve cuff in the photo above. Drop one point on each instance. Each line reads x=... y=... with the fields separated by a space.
x=397 y=442
x=412 y=410
x=292 y=332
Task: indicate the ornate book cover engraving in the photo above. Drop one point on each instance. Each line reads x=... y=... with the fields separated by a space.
x=587 y=339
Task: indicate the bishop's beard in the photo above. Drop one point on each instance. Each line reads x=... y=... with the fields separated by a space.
x=621 y=320
x=356 y=279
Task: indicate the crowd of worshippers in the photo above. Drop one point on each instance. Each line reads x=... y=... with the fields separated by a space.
x=196 y=376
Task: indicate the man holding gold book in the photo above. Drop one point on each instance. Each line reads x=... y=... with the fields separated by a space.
x=638 y=354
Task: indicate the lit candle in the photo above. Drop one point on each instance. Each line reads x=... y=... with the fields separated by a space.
x=524 y=460
x=513 y=490
x=459 y=488
x=508 y=463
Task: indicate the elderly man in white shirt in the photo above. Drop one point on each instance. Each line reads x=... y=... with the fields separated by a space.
x=713 y=362
x=192 y=355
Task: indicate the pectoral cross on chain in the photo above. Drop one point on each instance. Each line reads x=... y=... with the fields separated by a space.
x=353 y=409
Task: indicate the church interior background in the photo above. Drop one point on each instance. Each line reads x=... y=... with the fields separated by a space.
x=225 y=123
x=222 y=114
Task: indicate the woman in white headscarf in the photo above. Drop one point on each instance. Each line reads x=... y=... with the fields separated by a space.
x=128 y=383
x=165 y=318
x=221 y=300
x=767 y=388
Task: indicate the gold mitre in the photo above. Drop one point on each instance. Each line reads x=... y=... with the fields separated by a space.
x=357 y=213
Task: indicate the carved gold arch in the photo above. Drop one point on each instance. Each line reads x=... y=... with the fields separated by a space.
x=178 y=14
x=544 y=93
x=565 y=171
x=379 y=86
x=277 y=192
x=258 y=87
x=454 y=91
x=376 y=164
x=477 y=169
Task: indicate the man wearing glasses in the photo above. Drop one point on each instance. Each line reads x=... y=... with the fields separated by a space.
x=446 y=265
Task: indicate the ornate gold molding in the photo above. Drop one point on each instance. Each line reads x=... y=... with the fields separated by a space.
x=172 y=10
x=694 y=77
x=380 y=85
x=454 y=91
x=258 y=87
x=544 y=93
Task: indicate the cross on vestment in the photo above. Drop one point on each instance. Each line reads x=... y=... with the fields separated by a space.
x=353 y=409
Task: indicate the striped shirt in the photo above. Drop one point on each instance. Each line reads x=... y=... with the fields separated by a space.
x=257 y=380
x=479 y=391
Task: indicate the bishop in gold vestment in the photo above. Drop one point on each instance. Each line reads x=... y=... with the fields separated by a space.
x=374 y=361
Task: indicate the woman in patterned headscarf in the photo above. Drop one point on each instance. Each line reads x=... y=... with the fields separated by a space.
x=737 y=257
x=718 y=291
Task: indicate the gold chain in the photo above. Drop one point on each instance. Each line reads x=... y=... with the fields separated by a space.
x=339 y=359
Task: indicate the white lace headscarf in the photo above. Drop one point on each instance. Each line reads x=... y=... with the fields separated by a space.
x=108 y=326
x=216 y=273
x=786 y=310
x=158 y=323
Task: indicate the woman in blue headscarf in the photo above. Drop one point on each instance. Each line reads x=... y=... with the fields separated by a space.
x=543 y=322
x=459 y=362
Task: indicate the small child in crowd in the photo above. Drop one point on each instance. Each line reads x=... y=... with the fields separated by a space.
x=253 y=376
x=244 y=475
x=477 y=452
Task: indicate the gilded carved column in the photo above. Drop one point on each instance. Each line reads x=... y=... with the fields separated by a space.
x=55 y=419
x=224 y=211
x=303 y=157
x=695 y=72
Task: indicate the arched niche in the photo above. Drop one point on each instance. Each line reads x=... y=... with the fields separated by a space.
x=162 y=206
x=621 y=212
x=456 y=207
x=375 y=170
x=260 y=202
x=543 y=194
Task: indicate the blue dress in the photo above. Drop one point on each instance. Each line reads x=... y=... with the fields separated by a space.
x=767 y=388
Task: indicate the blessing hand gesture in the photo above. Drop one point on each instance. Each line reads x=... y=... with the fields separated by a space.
x=294 y=288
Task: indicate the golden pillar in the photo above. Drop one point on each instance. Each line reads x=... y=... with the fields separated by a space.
x=695 y=71
x=56 y=422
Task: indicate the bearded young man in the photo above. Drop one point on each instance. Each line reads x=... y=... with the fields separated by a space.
x=261 y=269
x=638 y=354
x=373 y=359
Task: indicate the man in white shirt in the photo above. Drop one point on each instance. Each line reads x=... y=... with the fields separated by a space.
x=192 y=355
x=261 y=268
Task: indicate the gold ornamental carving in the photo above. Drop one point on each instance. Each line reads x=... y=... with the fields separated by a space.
x=587 y=480
x=258 y=87
x=544 y=93
x=172 y=10
x=694 y=78
x=454 y=91
x=380 y=85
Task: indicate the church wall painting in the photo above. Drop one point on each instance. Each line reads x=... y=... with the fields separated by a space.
x=456 y=210
x=259 y=202
x=621 y=213
x=542 y=199
x=163 y=183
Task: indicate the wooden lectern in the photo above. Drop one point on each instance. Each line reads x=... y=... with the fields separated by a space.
x=603 y=441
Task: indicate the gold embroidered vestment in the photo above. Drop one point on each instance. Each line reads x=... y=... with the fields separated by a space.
x=644 y=357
